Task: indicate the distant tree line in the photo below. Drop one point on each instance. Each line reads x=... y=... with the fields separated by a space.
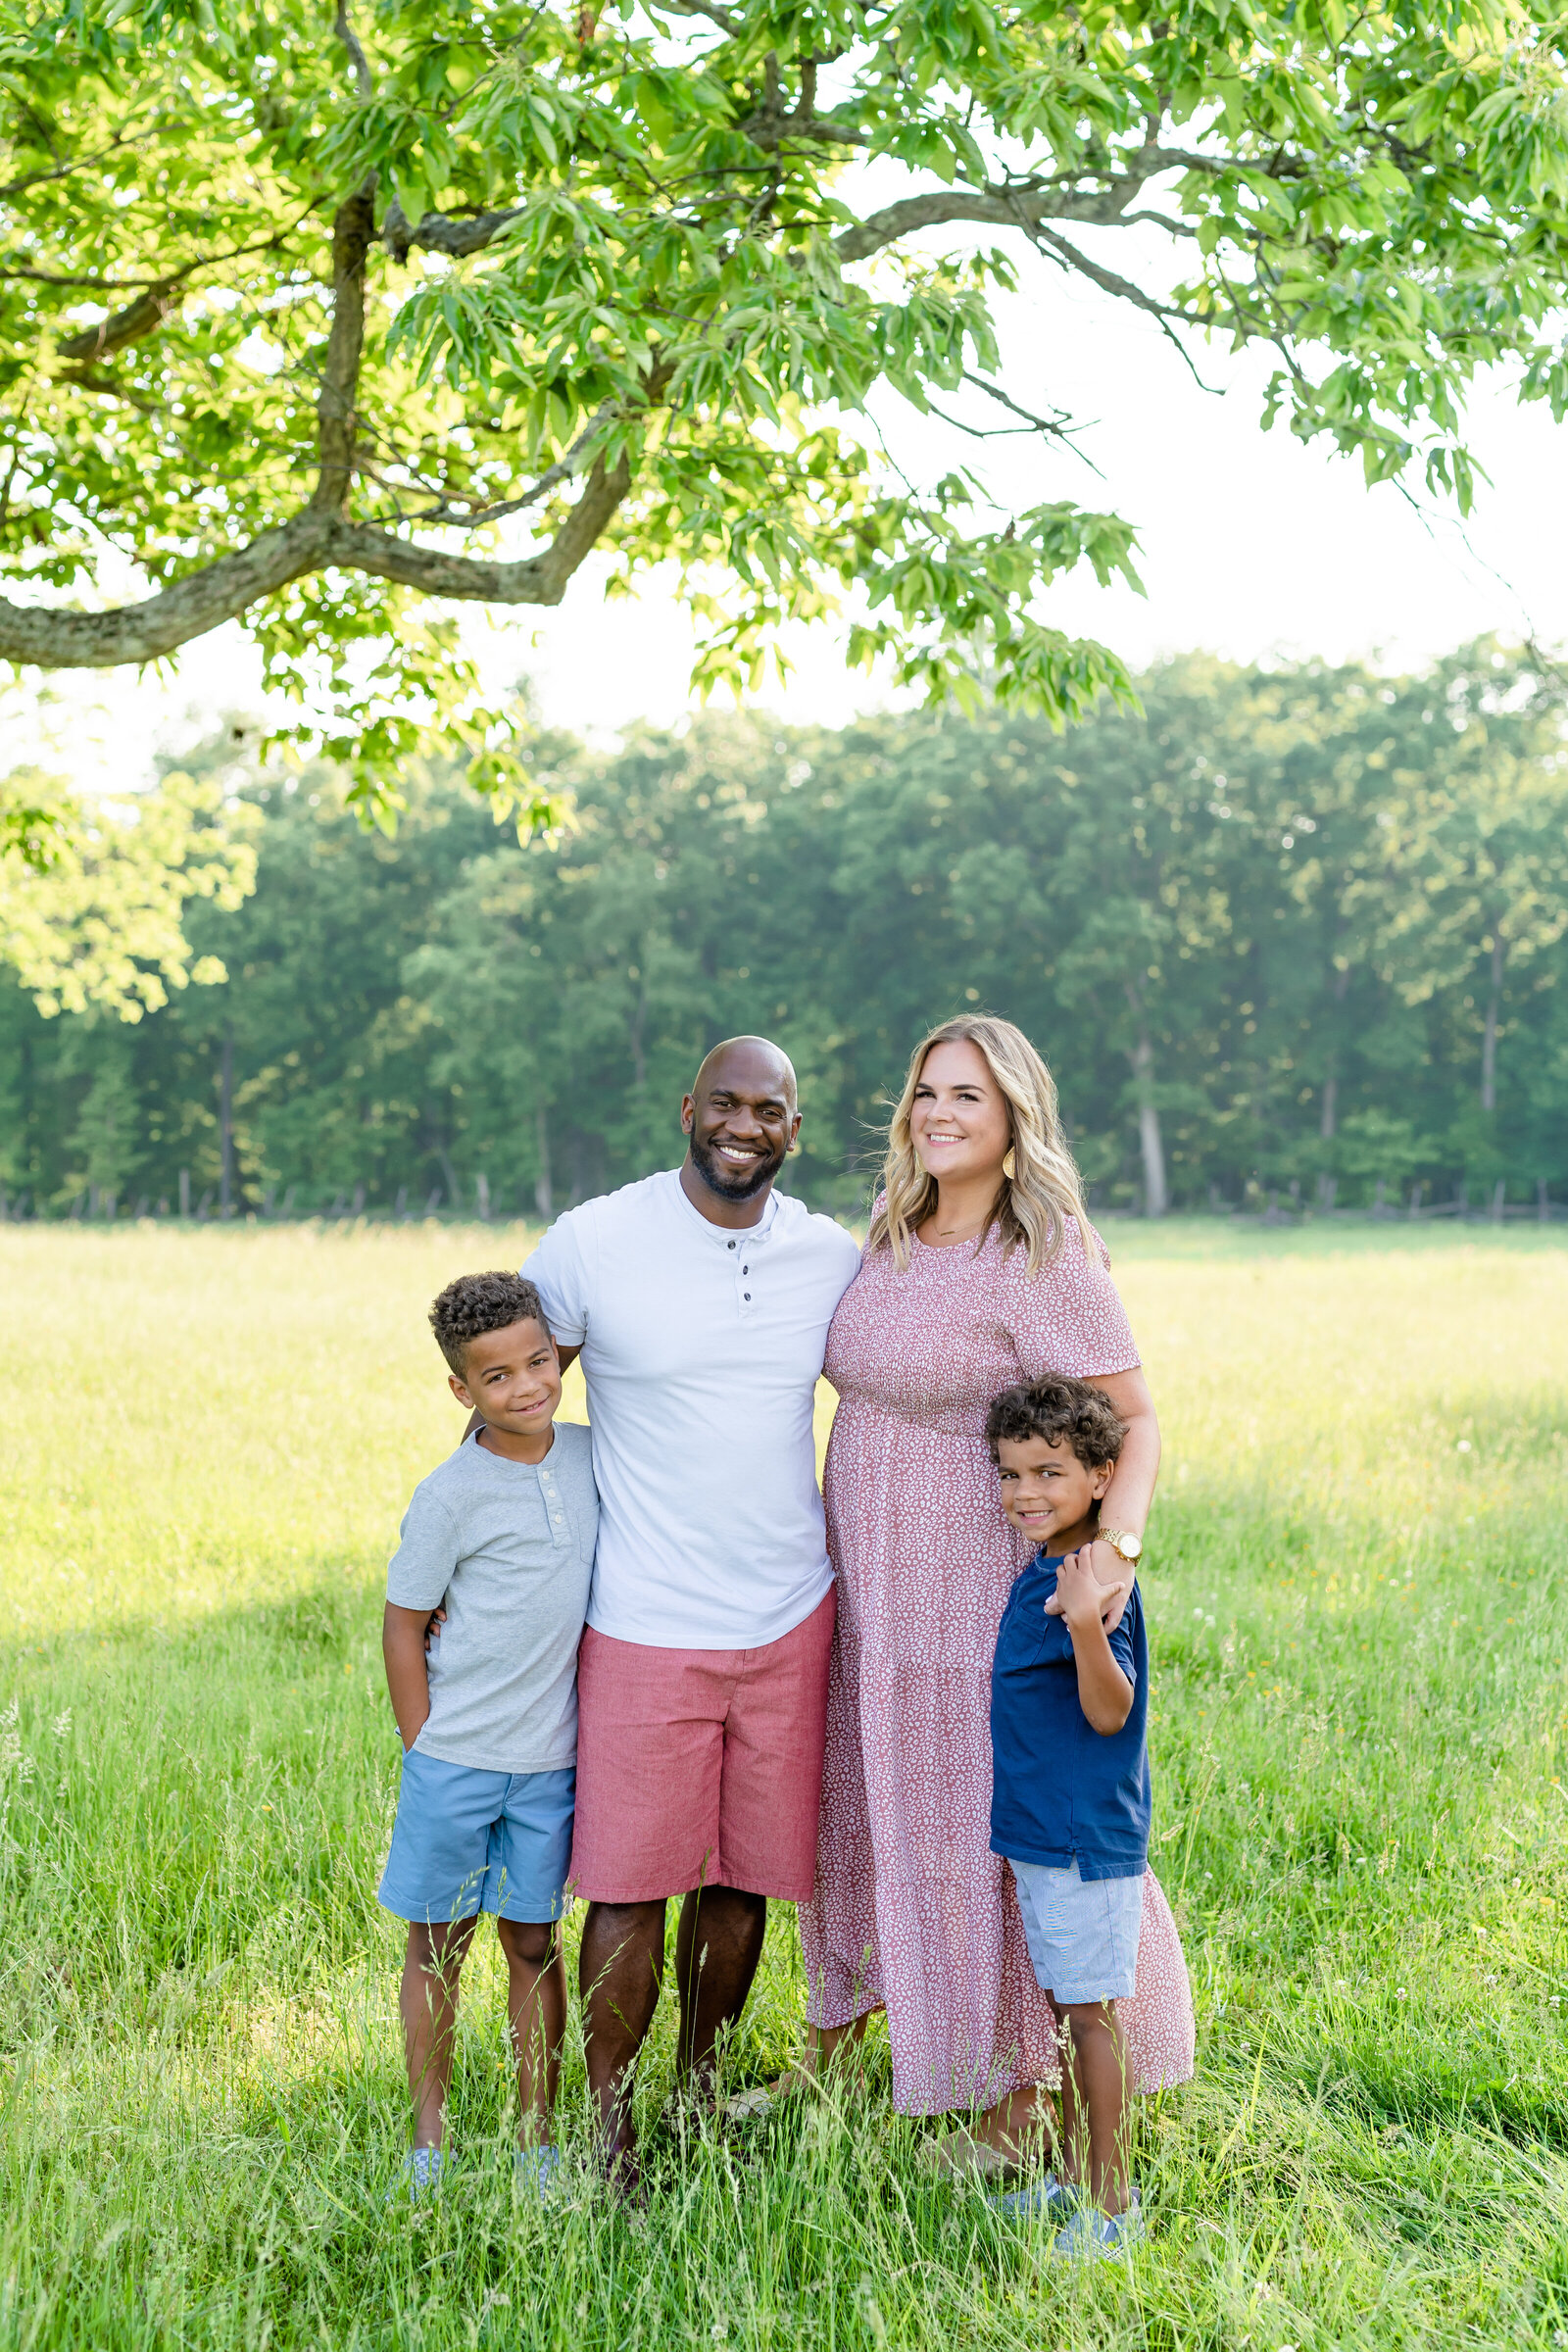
x=1296 y=933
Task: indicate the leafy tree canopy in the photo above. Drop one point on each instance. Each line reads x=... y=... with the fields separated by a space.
x=330 y=324
x=93 y=899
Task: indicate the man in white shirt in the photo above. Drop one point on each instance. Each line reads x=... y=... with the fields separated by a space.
x=699 y=1300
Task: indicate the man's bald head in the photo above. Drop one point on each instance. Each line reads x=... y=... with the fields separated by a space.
x=742 y=1118
x=749 y=1061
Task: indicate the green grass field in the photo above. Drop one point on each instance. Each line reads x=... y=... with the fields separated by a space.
x=1358 y=1615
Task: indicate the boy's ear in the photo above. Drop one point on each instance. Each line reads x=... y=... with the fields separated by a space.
x=1100 y=1481
x=459 y=1390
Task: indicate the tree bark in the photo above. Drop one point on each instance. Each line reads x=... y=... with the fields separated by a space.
x=543 y=1195
x=1331 y=1102
x=226 y=1124
x=1150 y=1142
x=1489 y=1033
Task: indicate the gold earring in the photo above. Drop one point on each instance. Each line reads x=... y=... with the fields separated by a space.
x=1010 y=1164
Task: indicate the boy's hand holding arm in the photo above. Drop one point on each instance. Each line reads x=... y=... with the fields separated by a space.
x=1103 y=1691
x=407 y=1678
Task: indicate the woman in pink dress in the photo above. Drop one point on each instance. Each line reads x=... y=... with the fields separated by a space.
x=981 y=1269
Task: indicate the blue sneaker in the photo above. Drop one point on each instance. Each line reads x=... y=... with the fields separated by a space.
x=536 y=2171
x=420 y=2178
x=1052 y=2197
x=1094 y=2236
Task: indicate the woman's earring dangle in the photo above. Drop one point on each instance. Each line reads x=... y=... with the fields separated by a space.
x=1010 y=1164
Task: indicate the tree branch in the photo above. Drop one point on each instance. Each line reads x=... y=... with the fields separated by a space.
x=440 y=232
x=357 y=57
x=140 y=318
x=311 y=542
x=1000 y=208
x=353 y=228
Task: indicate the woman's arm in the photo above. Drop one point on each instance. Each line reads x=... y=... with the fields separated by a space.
x=1126 y=1503
x=407 y=1678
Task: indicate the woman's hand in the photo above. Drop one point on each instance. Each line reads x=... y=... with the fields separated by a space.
x=1110 y=1572
x=432 y=1632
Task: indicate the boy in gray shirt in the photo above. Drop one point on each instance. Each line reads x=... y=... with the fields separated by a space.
x=501 y=1537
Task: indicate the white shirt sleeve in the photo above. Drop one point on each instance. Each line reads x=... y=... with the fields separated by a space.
x=558 y=1271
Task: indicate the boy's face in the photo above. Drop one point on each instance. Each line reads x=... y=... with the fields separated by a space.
x=511 y=1378
x=1047 y=1492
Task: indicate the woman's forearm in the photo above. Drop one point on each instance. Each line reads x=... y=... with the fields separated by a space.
x=1128 y=1498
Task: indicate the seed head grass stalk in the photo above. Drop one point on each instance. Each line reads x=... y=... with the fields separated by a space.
x=1358 y=1612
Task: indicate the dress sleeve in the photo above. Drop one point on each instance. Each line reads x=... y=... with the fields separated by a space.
x=1068 y=1317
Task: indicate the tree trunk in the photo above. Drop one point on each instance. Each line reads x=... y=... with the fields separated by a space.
x=225 y=1121
x=1150 y=1142
x=1331 y=1103
x=1488 y=1034
x=543 y=1197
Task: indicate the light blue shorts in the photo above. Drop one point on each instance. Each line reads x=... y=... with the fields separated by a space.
x=1082 y=1933
x=466 y=1841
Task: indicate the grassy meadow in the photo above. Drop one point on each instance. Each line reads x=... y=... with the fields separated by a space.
x=1359 y=1619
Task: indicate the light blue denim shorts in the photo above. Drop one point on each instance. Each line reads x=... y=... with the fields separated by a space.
x=466 y=1841
x=1082 y=1933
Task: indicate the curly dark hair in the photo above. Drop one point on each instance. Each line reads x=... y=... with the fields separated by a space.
x=1062 y=1411
x=478 y=1302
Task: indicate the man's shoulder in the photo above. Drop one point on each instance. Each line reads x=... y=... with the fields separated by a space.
x=628 y=1204
x=809 y=1229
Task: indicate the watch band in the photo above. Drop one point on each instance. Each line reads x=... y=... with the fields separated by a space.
x=1128 y=1548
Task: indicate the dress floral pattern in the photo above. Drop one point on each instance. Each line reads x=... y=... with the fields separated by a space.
x=911 y=1911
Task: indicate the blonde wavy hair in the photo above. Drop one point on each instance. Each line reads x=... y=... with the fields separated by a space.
x=1043 y=1192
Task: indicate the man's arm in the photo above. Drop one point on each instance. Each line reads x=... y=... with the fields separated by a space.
x=407 y=1678
x=1103 y=1691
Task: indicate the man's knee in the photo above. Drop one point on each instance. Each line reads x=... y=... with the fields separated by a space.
x=613 y=1928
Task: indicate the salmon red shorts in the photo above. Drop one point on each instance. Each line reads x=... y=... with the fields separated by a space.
x=700 y=1767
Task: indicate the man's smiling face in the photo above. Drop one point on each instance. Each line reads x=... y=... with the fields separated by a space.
x=741 y=1118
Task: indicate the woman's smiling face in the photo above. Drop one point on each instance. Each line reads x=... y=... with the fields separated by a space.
x=959 y=1123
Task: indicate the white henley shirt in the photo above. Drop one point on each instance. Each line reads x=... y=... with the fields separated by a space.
x=701 y=1348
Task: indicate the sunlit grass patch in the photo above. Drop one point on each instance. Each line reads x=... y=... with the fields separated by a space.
x=1356 y=1587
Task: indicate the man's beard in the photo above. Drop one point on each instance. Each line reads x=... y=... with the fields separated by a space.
x=732 y=1183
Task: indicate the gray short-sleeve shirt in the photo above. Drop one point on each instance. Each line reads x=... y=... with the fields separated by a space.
x=509 y=1546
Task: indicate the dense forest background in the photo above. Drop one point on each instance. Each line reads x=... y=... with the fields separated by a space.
x=1297 y=933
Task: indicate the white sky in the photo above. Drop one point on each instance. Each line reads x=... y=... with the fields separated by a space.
x=1250 y=546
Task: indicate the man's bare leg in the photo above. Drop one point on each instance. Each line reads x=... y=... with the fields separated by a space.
x=618 y=1975
x=718 y=1947
x=536 y=2005
x=428 y=2001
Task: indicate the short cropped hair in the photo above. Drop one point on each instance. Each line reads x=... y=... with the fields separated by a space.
x=480 y=1302
x=1062 y=1411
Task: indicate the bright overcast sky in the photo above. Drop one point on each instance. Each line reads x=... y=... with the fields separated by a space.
x=1251 y=546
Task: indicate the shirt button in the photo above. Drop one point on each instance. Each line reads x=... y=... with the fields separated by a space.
x=747 y=1293
x=729 y=1245
x=557 y=1518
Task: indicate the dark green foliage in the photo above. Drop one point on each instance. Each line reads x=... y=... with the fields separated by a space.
x=1262 y=934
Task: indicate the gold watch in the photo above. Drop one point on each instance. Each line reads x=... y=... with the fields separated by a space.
x=1127 y=1548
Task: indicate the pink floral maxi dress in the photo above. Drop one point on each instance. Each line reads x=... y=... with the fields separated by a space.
x=911 y=1910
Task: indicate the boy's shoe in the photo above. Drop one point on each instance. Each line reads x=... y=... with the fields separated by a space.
x=1094 y=2237
x=537 y=2171
x=420 y=2178
x=1053 y=2198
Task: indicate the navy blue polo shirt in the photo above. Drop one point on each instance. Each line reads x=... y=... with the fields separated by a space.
x=1061 y=1790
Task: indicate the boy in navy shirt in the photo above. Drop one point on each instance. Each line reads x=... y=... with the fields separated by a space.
x=1070 y=1801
